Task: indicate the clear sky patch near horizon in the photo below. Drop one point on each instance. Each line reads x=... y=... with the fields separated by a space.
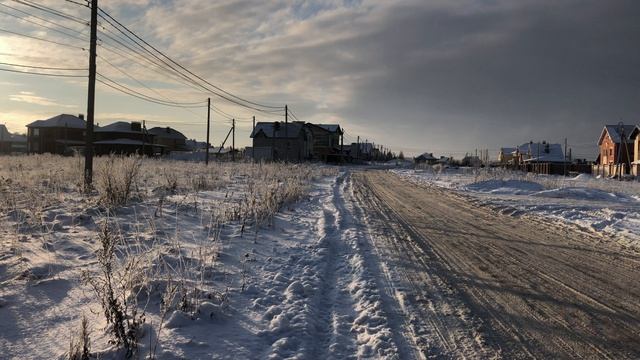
x=440 y=76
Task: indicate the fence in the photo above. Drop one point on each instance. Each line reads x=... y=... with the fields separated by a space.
x=554 y=168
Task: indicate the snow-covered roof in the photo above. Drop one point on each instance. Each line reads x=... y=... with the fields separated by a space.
x=542 y=152
x=615 y=132
x=120 y=127
x=18 y=138
x=508 y=150
x=292 y=129
x=365 y=148
x=167 y=133
x=62 y=120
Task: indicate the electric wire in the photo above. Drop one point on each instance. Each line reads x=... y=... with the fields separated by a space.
x=42 y=25
x=43 y=67
x=43 y=74
x=52 y=11
x=42 y=19
x=41 y=39
x=239 y=99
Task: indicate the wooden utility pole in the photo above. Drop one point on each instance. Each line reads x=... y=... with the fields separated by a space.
x=342 y=146
x=358 y=148
x=286 y=131
x=253 y=148
x=91 y=98
x=565 y=156
x=206 y=155
x=233 y=140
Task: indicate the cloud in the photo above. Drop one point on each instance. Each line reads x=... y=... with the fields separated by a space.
x=443 y=76
x=31 y=98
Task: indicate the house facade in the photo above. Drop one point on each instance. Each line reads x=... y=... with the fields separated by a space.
x=616 y=150
x=327 y=141
x=635 y=164
x=507 y=155
x=61 y=134
x=124 y=138
x=171 y=139
x=276 y=141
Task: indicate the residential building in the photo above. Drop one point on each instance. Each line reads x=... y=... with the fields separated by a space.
x=11 y=143
x=425 y=158
x=539 y=152
x=277 y=141
x=122 y=137
x=171 y=139
x=362 y=151
x=327 y=142
x=61 y=134
x=635 y=137
x=507 y=155
x=616 y=150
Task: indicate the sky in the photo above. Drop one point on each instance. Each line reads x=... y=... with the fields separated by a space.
x=442 y=76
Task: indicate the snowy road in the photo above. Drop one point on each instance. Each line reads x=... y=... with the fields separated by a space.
x=481 y=285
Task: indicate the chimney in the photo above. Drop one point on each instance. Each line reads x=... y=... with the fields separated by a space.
x=81 y=116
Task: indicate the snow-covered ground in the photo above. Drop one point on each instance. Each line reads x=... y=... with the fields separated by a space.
x=242 y=261
x=604 y=206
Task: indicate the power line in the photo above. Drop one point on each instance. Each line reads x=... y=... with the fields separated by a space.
x=42 y=25
x=41 y=19
x=41 y=39
x=43 y=67
x=43 y=74
x=52 y=11
x=139 y=95
x=239 y=99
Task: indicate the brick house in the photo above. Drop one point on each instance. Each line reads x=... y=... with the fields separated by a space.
x=61 y=134
x=616 y=150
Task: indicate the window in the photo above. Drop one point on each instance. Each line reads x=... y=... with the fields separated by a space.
x=36 y=132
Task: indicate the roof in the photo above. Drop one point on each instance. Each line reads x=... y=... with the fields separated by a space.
x=290 y=130
x=62 y=120
x=533 y=150
x=330 y=127
x=118 y=126
x=615 y=132
x=427 y=156
x=167 y=133
x=508 y=150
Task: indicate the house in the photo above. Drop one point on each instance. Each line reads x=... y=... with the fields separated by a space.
x=362 y=151
x=635 y=137
x=278 y=141
x=195 y=145
x=61 y=134
x=507 y=155
x=616 y=150
x=172 y=139
x=425 y=158
x=122 y=137
x=327 y=141
x=11 y=143
x=540 y=152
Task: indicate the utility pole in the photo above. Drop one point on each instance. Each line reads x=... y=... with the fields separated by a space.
x=91 y=98
x=253 y=148
x=233 y=141
x=286 y=131
x=565 y=156
x=206 y=155
x=358 y=148
x=342 y=146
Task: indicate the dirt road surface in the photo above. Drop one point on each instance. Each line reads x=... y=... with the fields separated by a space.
x=494 y=286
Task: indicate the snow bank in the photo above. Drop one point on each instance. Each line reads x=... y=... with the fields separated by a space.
x=601 y=205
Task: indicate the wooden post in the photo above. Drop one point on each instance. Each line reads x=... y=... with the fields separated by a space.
x=91 y=98
x=286 y=131
x=233 y=140
x=253 y=148
x=206 y=155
